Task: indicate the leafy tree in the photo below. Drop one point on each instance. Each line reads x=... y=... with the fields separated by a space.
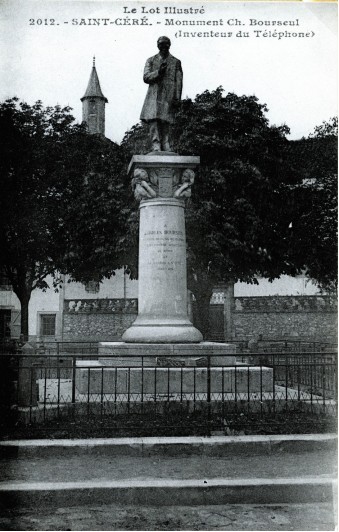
x=314 y=233
x=60 y=209
x=96 y=198
x=238 y=218
x=326 y=129
x=136 y=140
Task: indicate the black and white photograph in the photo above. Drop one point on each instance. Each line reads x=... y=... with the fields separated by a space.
x=168 y=265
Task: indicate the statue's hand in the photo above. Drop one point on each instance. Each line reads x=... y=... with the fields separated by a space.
x=162 y=68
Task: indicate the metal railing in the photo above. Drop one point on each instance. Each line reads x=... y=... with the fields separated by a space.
x=143 y=391
x=296 y=346
x=280 y=345
x=89 y=347
x=45 y=347
x=59 y=347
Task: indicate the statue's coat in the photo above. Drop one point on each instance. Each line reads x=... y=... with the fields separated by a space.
x=163 y=91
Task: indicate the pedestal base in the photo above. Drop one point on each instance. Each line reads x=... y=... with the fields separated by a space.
x=138 y=382
x=120 y=353
x=162 y=333
x=138 y=371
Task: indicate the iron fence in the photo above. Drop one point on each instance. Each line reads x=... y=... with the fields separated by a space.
x=283 y=345
x=45 y=347
x=151 y=395
x=60 y=347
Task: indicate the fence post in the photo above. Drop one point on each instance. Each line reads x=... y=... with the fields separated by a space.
x=209 y=394
x=27 y=387
x=74 y=362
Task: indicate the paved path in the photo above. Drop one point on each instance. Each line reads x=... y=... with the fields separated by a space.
x=43 y=481
x=114 y=468
x=217 y=517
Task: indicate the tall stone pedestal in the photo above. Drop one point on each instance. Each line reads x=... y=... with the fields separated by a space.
x=162 y=182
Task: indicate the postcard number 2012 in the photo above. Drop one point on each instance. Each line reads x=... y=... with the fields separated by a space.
x=42 y=22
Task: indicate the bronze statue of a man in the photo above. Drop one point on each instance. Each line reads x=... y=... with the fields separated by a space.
x=163 y=73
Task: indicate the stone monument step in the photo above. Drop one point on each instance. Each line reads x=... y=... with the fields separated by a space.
x=220 y=354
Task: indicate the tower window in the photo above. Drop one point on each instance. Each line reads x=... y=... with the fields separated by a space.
x=92 y=106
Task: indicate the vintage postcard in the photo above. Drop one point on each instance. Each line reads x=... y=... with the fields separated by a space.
x=146 y=403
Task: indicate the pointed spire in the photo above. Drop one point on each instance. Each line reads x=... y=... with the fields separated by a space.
x=93 y=87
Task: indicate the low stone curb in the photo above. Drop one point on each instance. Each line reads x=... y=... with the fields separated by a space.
x=151 y=492
x=170 y=446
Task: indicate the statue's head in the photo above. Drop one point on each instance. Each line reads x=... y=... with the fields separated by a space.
x=163 y=44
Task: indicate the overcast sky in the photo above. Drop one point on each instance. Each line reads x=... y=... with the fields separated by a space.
x=295 y=76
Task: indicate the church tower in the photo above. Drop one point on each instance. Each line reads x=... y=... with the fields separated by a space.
x=93 y=105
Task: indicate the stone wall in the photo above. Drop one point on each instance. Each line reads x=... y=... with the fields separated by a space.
x=98 y=320
x=275 y=317
x=96 y=327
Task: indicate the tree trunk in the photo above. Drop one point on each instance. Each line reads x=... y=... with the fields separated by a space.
x=21 y=281
x=24 y=301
